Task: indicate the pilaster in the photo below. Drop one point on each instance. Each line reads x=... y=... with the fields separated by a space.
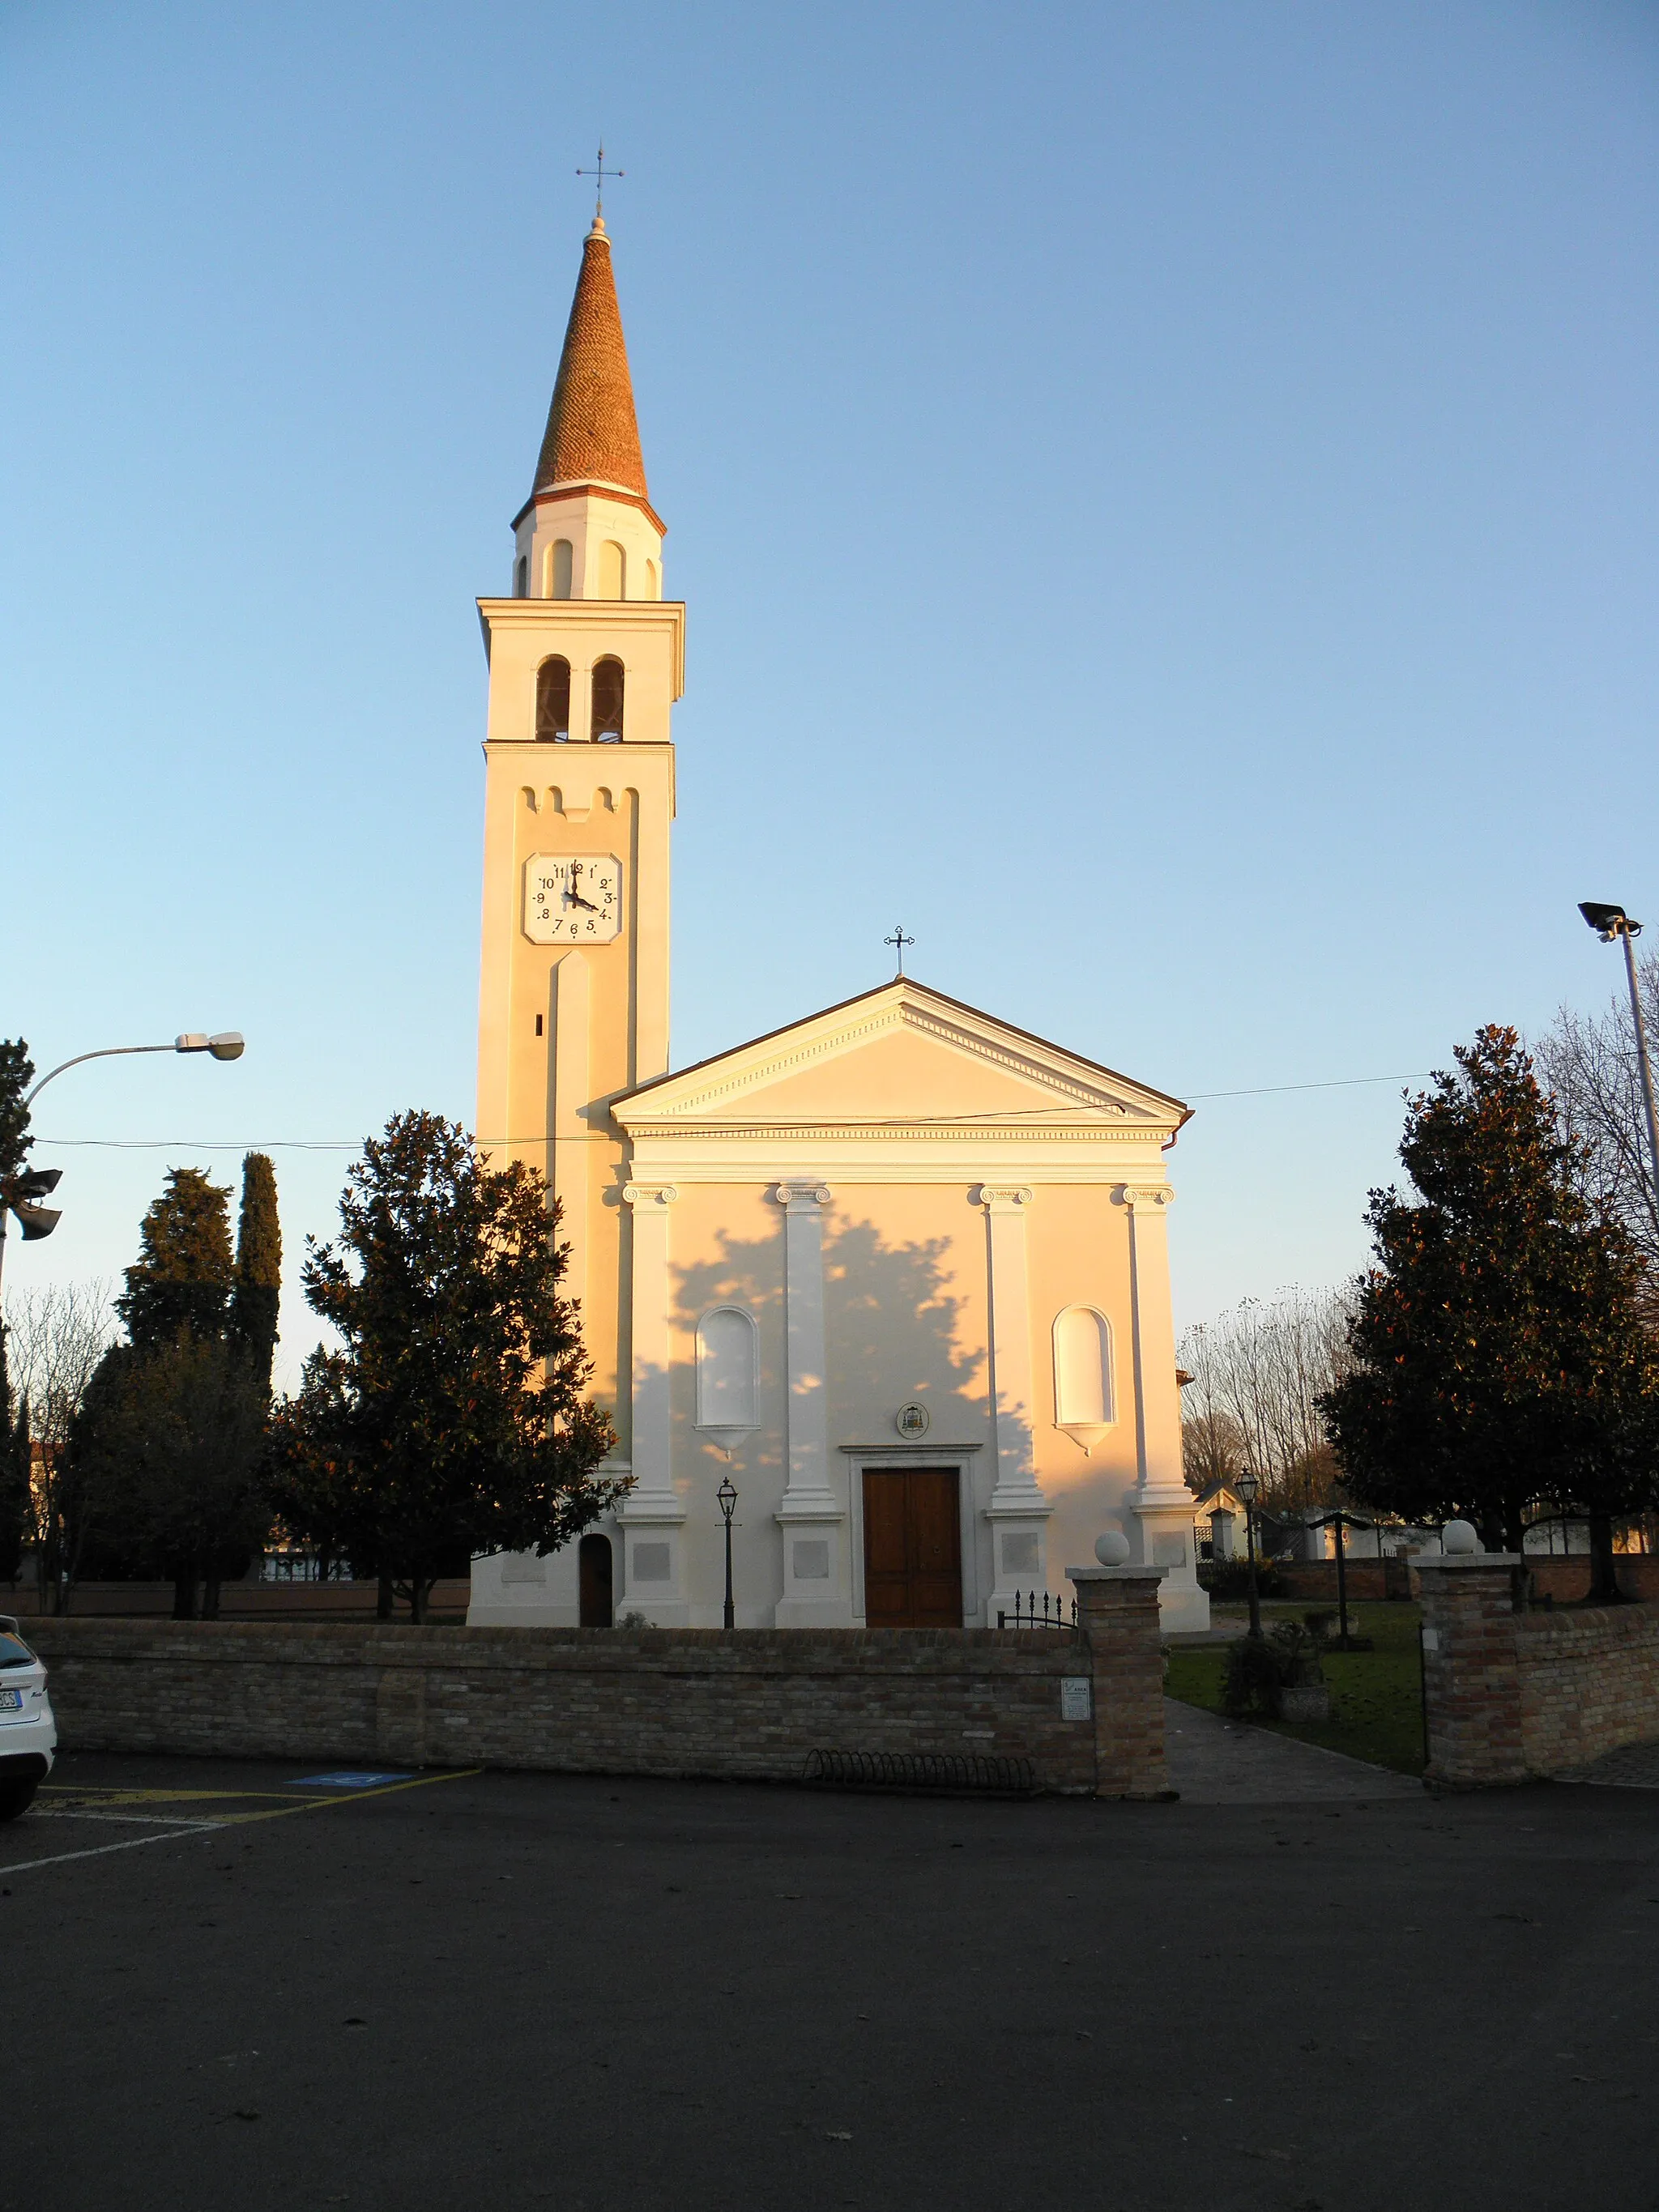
x=816 y=1570
x=572 y=1089
x=650 y=1515
x=1017 y=1511
x=1161 y=1506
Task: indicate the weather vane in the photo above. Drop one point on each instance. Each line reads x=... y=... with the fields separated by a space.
x=601 y=173
x=898 y=940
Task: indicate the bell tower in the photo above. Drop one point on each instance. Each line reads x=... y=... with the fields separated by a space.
x=585 y=662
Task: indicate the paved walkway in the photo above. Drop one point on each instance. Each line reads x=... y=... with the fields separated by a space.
x=1217 y=1762
x=1635 y=1767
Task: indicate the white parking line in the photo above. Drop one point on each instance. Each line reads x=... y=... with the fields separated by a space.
x=133 y=1844
x=133 y=1819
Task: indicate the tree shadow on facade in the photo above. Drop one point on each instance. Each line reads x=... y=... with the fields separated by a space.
x=894 y=1327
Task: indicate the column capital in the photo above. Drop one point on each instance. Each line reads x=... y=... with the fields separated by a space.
x=649 y=1193
x=800 y=1196
x=1003 y=1198
x=1150 y=1197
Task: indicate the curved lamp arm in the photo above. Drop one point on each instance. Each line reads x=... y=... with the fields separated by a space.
x=228 y=1044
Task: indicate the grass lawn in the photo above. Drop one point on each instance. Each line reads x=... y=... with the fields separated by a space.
x=1376 y=1709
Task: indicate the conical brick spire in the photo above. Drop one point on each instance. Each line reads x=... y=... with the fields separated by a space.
x=593 y=435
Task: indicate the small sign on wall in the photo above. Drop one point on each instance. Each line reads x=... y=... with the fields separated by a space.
x=1076 y=1697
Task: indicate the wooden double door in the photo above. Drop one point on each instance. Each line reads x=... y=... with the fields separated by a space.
x=912 y=1547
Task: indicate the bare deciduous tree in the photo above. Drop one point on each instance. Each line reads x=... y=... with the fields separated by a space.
x=1588 y=1060
x=57 y=1336
x=1257 y=1374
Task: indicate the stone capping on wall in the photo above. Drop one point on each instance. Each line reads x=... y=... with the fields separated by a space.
x=750 y=1704
x=1514 y=1697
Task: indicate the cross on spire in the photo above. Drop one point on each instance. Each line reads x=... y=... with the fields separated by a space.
x=898 y=940
x=599 y=174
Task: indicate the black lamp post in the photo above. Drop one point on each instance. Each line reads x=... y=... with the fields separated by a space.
x=1340 y=1519
x=1247 y=1484
x=727 y=1496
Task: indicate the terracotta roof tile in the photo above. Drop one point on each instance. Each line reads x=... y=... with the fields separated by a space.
x=593 y=435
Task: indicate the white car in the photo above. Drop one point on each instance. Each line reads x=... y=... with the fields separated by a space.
x=29 y=1734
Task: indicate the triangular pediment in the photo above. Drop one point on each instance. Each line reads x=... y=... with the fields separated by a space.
x=901 y=1057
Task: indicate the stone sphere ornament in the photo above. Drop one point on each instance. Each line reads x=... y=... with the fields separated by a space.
x=1458 y=1539
x=1112 y=1549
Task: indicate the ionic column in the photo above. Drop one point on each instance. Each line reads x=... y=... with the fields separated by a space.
x=1017 y=1511
x=651 y=1513
x=817 y=1582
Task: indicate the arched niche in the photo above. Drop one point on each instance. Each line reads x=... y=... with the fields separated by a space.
x=521 y=577
x=652 y=582
x=613 y=571
x=1083 y=1374
x=559 y=568
x=728 y=1374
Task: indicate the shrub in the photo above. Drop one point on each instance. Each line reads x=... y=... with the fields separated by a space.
x=1259 y=1668
x=1251 y=1682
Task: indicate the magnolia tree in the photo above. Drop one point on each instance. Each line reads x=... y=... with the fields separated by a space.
x=1498 y=1355
x=451 y=1419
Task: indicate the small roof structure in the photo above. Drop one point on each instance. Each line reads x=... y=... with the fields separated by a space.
x=593 y=436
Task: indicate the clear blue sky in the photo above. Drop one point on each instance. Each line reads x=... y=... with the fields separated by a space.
x=1219 y=440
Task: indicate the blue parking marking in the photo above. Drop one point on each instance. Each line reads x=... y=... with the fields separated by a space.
x=346 y=1780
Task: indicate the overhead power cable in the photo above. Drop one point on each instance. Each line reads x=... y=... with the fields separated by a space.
x=539 y=1137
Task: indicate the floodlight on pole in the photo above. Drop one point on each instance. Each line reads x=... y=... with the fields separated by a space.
x=1611 y=923
x=20 y=1194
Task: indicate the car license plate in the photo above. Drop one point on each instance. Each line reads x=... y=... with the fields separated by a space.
x=11 y=1701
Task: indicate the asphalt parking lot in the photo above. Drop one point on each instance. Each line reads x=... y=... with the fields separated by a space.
x=243 y=1986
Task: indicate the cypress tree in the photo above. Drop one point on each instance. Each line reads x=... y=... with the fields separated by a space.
x=16 y=1073
x=177 y=1312
x=183 y=1276
x=258 y=1289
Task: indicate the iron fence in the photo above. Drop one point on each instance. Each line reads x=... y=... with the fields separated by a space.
x=956 y=1772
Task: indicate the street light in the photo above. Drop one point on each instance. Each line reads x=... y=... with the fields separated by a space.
x=1610 y=922
x=20 y=1192
x=1248 y=1485
x=727 y=1496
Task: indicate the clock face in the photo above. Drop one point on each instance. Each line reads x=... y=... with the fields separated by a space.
x=571 y=898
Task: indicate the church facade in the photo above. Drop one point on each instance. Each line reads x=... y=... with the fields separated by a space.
x=897 y=1274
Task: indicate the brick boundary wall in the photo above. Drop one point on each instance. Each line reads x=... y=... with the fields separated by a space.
x=750 y=1704
x=237 y=1600
x=1516 y=1696
x=1566 y=1581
